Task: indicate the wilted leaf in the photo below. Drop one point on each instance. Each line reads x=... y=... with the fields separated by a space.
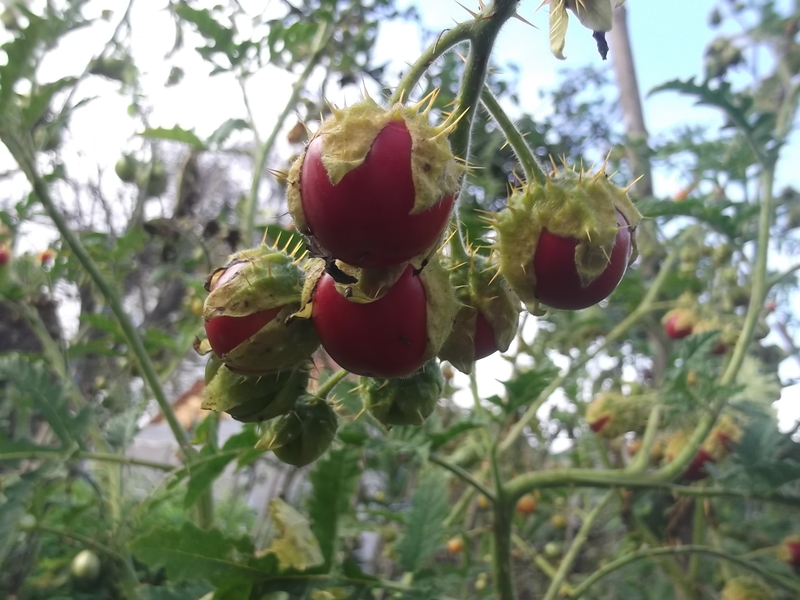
x=295 y=547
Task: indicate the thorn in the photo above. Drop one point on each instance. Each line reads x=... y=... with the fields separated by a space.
x=519 y=17
x=277 y=240
x=447 y=241
x=296 y=249
x=474 y=14
x=264 y=237
x=462 y=57
x=633 y=183
x=553 y=163
x=491 y=281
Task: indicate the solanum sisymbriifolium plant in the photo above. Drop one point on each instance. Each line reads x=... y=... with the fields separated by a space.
x=431 y=237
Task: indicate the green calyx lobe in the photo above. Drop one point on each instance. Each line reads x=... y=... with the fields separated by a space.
x=256 y=280
x=256 y=397
x=348 y=135
x=302 y=435
x=405 y=400
x=611 y=414
x=570 y=204
x=479 y=290
x=262 y=278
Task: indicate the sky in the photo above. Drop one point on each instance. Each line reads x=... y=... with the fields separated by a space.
x=668 y=39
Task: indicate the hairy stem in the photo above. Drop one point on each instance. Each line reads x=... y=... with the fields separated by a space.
x=531 y=168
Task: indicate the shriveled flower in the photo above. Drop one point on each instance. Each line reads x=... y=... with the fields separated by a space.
x=595 y=15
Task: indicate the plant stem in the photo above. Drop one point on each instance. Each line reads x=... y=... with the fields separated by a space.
x=463 y=475
x=698 y=536
x=447 y=40
x=779 y=580
x=501 y=545
x=331 y=382
x=98 y=456
x=22 y=151
x=541 y=562
x=531 y=168
x=248 y=212
x=639 y=463
x=580 y=539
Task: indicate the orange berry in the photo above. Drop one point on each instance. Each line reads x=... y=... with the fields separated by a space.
x=455 y=545
x=526 y=504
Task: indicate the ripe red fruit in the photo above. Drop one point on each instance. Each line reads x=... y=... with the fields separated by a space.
x=365 y=220
x=226 y=333
x=385 y=338
x=789 y=551
x=558 y=283
x=697 y=468
x=679 y=323
x=5 y=256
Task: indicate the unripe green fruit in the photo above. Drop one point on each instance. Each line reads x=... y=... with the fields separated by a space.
x=746 y=588
x=127 y=168
x=157 y=182
x=303 y=435
x=255 y=398
x=85 y=567
x=405 y=400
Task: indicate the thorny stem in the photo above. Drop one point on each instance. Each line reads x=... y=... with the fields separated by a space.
x=324 y=33
x=639 y=463
x=463 y=475
x=21 y=150
x=587 y=583
x=331 y=382
x=580 y=539
x=531 y=168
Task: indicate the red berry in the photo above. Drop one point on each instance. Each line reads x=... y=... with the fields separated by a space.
x=5 y=256
x=789 y=551
x=485 y=342
x=599 y=423
x=226 y=333
x=365 y=219
x=385 y=338
x=558 y=283
x=697 y=468
x=679 y=323
x=526 y=504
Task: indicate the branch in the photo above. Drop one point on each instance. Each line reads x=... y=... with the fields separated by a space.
x=587 y=583
x=463 y=475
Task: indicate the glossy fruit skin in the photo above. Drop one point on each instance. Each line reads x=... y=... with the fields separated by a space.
x=558 y=284
x=526 y=504
x=485 y=343
x=226 y=333
x=365 y=219
x=385 y=338
x=596 y=426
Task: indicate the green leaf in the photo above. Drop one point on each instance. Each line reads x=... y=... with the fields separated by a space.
x=714 y=214
x=440 y=438
x=176 y=134
x=30 y=386
x=424 y=528
x=295 y=547
x=203 y=475
x=224 y=131
x=334 y=481
x=13 y=508
x=21 y=449
x=527 y=386
x=190 y=553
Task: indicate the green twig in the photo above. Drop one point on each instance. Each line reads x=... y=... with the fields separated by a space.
x=531 y=168
x=639 y=462
x=98 y=456
x=331 y=382
x=587 y=583
x=248 y=213
x=447 y=40
x=572 y=554
x=463 y=475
